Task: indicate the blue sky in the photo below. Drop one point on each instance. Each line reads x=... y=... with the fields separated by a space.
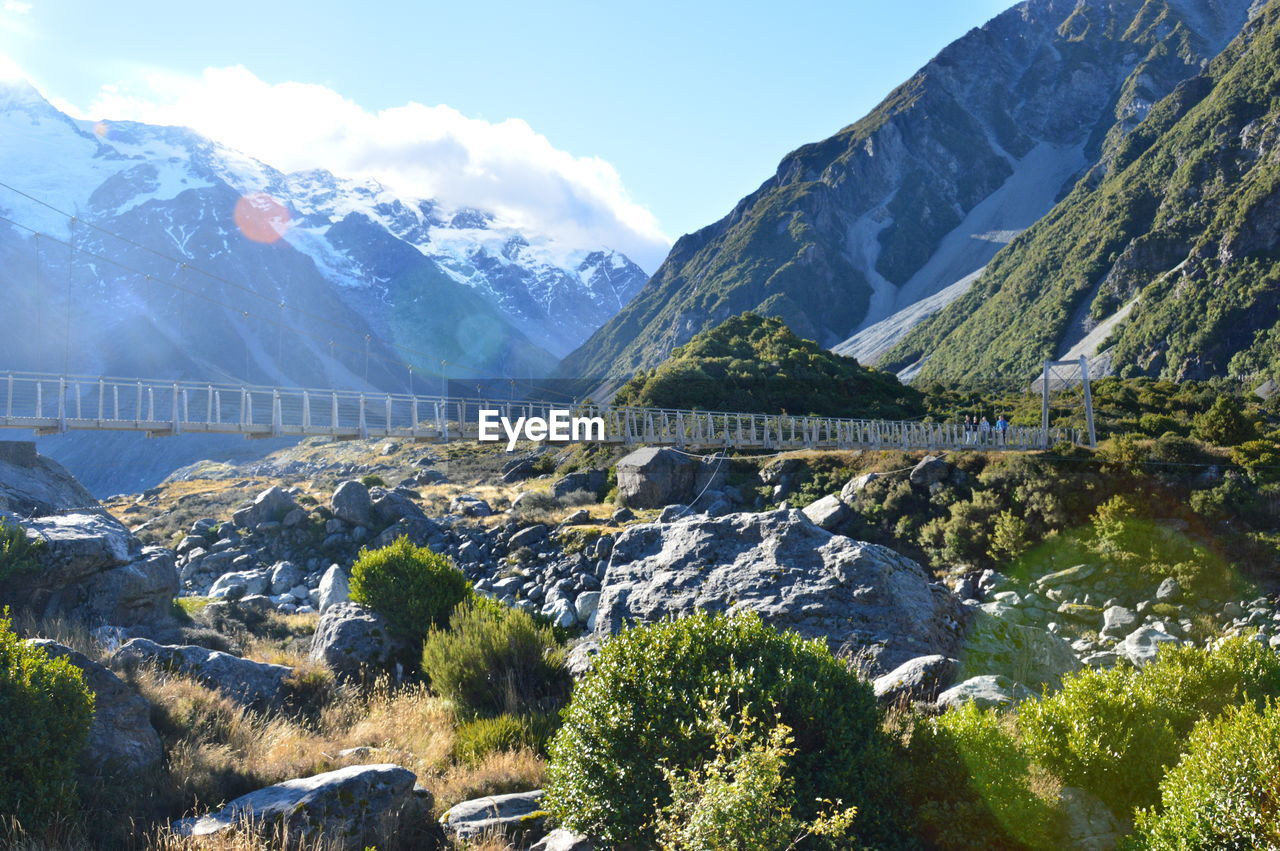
x=632 y=122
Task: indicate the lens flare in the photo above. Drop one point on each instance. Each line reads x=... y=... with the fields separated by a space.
x=101 y=129
x=261 y=218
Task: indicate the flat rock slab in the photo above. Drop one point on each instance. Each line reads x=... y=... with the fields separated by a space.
x=861 y=598
x=517 y=814
x=349 y=807
x=243 y=680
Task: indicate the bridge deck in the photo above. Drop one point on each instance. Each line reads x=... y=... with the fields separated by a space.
x=52 y=404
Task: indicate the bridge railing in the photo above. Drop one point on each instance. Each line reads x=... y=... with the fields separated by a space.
x=56 y=403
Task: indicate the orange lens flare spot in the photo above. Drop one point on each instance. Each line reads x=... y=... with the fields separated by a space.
x=261 y=218
x=101 y=129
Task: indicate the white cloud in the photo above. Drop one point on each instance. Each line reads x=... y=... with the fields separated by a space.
x=425 y=151
x=16 y=7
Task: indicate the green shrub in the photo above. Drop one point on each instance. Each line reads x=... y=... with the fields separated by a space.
x=45 y=712
x=999 y=773
x=1224 y=424
x=1261 y=458
x=740 y=799
x=412 y=587
x=18 y=553
x=373 y=480
x=1114 y=732
x=494 y=659
x=480 y=737
x=1225 y=791
x=639 y=711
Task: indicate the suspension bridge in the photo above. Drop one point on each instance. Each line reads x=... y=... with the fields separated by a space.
x=55 y=404
x=59 y=402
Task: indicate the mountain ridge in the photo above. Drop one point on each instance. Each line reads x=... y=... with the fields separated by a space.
x=829 y=242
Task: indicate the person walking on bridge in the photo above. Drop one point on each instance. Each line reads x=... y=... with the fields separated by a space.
x=984 y=431
x=1002 y=429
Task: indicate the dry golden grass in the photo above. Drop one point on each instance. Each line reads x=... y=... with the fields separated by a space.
x=493 y=774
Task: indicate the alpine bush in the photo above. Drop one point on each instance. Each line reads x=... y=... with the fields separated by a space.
x=1115 y=732
x=45 y=712
x=495 y=659
x=1225 y=791
x=412 y=587
x=483 y=736
x=18 y=553
x=638 y=714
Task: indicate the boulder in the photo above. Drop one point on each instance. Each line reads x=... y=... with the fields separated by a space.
x=249 y=582
x=930 y=471
x=517 y=814
x=1170 y=591
x=121 y=738
x=859 y=597
x=528 y=537
x=350 y=808
x=1069 y=576
x=353 y=641
x=561 y=612
x=586 y=605
x=591 y=481
x=285 y=576
x=334 y=588
x=563 y=840
x=250 y=683
x=856 y=485
x=987 y=691
x=1026 y=654
x=470 y=506
x=517 y=470
x=1087 y=823
x=32 y=485
x=1118 y=621
x=141 y=592
x=1142 y=645
x=351 y=502
x=653 y=478
x=830 y=512
x=921 y=678
x=92 y=568
x=273 y=504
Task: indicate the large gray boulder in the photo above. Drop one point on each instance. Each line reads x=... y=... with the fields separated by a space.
x=1025 y=654
x=988 y=691
x=334 y=588
x=248 y=581
x=1087 y=823
x=922 y=678
x=271 y=505
x=861 y=598
x=563 y=840
x=830 y=512
x=351 y=502
x=91 y=567
x=353 y=641
x=350 y=808
x=654 y=478
x=121 y=738
x=140 y=592
x=518 y=814
x=1143 y=645
x=32 y=485
x=592 y=481
x=250 y=683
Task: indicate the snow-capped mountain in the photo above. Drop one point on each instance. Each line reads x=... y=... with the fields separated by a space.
x=181 y=258
x=334 y=261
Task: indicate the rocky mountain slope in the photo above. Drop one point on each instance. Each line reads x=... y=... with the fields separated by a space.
x=1173 y=244
x=923 y=191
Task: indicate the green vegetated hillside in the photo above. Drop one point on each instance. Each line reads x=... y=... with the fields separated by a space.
x=866 y=208
x=756 y=364
x=1184 y=219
